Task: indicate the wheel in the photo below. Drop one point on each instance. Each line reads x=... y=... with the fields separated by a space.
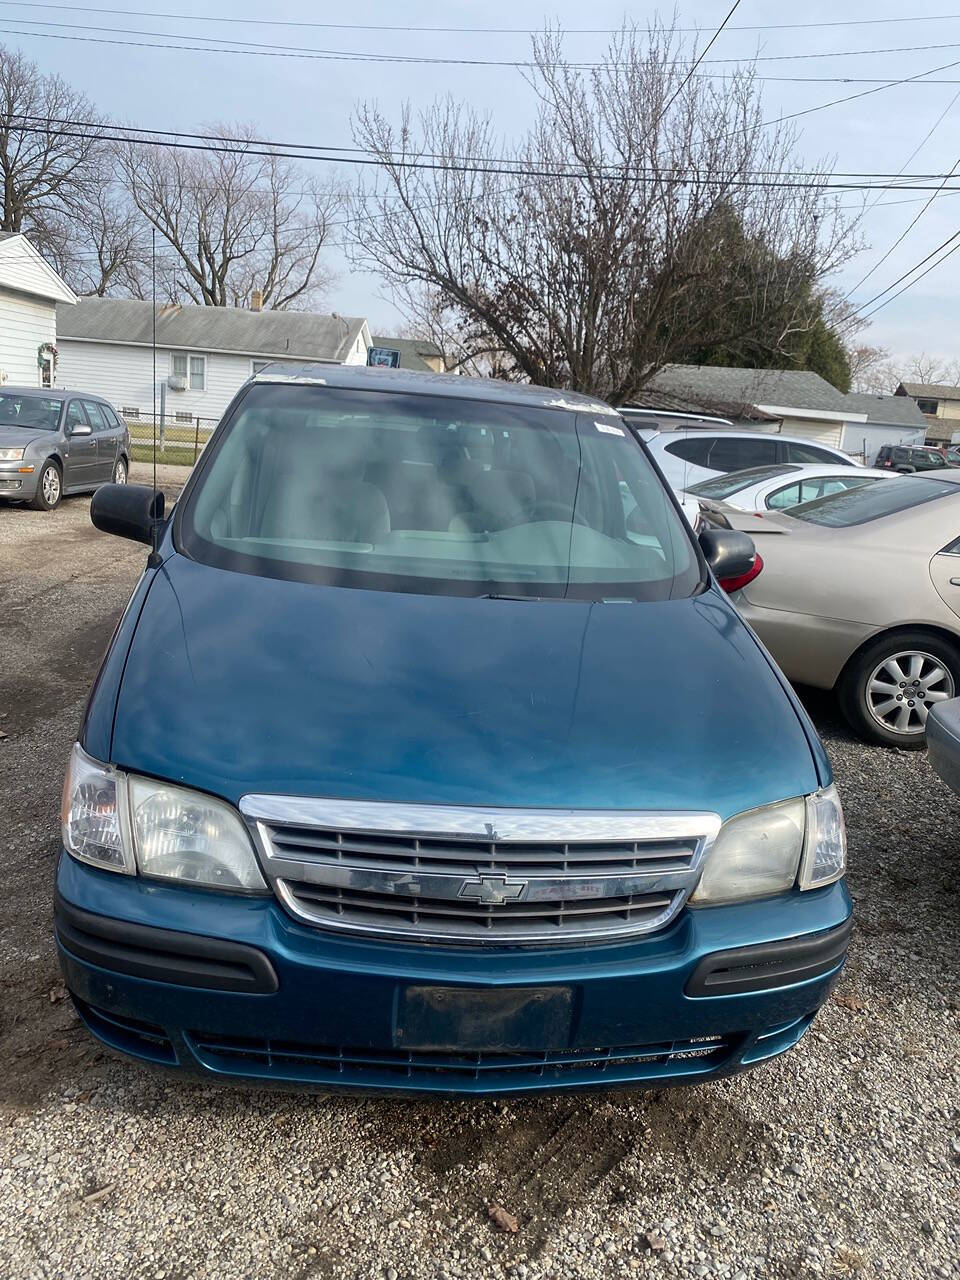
x=49 y=487
x=120 y=471
x=887 y=691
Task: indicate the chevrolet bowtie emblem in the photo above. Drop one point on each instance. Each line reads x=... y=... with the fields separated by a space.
x=493 y=891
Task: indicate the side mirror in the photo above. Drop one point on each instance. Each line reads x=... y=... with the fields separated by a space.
x=80 y=429
x=128 y=510
x=731 y=555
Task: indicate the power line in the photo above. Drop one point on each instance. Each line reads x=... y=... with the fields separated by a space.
x=877 y=296
x=120 y=133
x=357 y=26
x=235 y=143
x=887 y=301
x=255 y=48
x=686 y=79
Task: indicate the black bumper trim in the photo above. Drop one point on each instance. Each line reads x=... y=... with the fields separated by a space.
x=162 y=955
x=771 y=964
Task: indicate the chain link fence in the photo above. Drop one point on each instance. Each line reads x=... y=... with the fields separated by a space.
x=180 y=437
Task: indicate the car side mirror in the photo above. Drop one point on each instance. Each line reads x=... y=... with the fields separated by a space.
x=80 y=429
x=128 y=510
x=731 y=555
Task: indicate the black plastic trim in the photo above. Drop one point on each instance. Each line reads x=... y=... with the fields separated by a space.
x=771 y=964
x=162 y=955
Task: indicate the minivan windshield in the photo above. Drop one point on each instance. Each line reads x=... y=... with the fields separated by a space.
x=438 y=495
x=872 y=501
x=39 y=413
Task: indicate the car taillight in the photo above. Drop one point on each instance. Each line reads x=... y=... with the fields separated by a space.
x=734 y=584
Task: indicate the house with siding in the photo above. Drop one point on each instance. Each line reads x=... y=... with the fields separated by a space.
x=939 y=403
x=415 y=353
x=801 y=401
x=30 y=292
x=204 y=354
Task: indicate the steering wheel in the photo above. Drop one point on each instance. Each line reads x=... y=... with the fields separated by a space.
x=557 y=511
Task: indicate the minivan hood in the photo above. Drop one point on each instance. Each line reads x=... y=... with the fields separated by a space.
x=237 y=684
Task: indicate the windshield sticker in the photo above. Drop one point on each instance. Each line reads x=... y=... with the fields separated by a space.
x=608 y=430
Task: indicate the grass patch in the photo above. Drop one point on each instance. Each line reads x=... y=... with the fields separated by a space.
x=177 y=455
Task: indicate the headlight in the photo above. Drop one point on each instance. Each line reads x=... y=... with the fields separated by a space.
x=94 y=798
x=11 y=455
x=769 y=850
x=825 y=843
x=184 y=835
x=124 y=823
x=755 y=853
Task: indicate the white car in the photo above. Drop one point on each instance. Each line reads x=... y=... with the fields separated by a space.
x=687 y=457
x=782 y=486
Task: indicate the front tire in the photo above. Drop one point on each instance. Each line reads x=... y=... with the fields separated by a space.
x=887 y=689
x=49 y=488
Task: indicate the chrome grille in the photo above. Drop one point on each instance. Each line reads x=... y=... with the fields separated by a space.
x=465 y=875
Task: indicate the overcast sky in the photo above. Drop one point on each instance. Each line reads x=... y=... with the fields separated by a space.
x=311 y=101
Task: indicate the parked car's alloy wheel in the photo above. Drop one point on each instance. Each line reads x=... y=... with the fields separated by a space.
x=120 y=472
x=49 y=488
x=888 y=690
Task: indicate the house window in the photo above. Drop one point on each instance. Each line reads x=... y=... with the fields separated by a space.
x=928 y=406
x=257 y=365
x=193 y=369
x=184 y=417
x=130 y=413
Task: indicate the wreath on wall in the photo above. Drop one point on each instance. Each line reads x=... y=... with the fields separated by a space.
x=46 y=349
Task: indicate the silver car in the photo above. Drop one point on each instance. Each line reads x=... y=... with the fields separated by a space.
x=56 y=442
x=860 y=592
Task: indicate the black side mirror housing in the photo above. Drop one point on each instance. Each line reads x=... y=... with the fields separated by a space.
x=731 y=555
x=128 y=510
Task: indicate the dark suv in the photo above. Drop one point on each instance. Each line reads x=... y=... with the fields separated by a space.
x=905 y=458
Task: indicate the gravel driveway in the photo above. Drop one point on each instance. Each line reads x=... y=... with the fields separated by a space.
x=840 y=1159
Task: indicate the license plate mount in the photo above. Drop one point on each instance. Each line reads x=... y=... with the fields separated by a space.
x=465 y=1020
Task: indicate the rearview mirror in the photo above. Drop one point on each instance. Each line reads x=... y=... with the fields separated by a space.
x=731 y=555
x=128 y=510
x=80 y=429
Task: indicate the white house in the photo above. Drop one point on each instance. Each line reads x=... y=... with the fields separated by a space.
x=204 y=354
x=30 y=292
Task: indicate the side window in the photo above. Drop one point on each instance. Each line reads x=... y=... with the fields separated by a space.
x=75 y=415
x=810 y=453
x=695 y=449
x=198 y=373
x=788 y=497
x=735 y=453
x=94 y=416
x=109 y=416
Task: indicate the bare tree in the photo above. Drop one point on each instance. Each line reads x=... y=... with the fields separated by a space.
x=235 y=221
x=104 y=248
x=49 y=170
x=871 y=370
x=643 y=216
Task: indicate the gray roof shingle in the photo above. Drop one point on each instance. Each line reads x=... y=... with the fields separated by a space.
x=896 y=411
x=932 y=390
x=283 y=334
x=787 y=388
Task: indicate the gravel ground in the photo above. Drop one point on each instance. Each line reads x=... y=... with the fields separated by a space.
x=841 y=1158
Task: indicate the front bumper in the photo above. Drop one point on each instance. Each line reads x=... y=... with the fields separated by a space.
x=16 y=483
x=236 y=989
